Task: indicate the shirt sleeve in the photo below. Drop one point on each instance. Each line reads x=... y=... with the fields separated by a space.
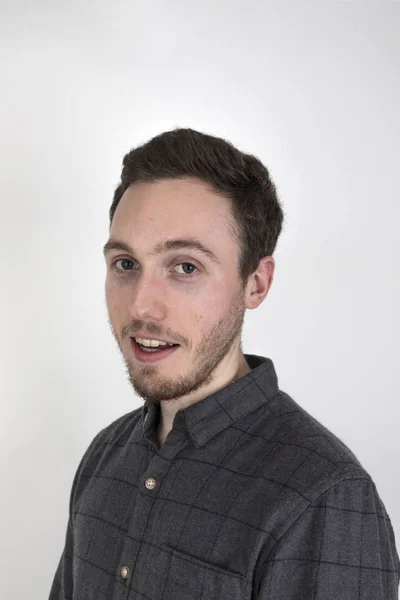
x=341 y=546
x=63 y=581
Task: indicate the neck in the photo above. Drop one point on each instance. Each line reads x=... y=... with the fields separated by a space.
x=165 y=424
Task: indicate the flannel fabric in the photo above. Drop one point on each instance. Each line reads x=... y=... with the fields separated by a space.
x=249 y=498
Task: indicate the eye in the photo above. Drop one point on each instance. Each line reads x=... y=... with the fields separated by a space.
x=190 y=265
x=125 y=260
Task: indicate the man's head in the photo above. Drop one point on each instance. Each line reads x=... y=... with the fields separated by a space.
x=185 y=185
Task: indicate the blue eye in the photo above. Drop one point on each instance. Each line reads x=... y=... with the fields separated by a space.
x=131 y=261
x=187 y=263
x=123 y=260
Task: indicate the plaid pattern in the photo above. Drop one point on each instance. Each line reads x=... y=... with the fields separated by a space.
x=249 y=498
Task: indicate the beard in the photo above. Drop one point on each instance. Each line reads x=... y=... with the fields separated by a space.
x=222 y=339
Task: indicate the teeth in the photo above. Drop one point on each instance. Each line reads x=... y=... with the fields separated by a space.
x=151 y=343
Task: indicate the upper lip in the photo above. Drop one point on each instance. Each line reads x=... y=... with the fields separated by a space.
x=146 y=337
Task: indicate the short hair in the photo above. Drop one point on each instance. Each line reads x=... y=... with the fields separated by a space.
x=256 y=212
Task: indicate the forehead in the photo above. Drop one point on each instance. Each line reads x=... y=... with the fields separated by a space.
x=174 y=208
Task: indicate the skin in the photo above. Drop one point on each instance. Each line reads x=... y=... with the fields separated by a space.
x=203 y=309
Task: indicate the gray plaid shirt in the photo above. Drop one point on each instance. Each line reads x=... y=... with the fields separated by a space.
x=249 y=498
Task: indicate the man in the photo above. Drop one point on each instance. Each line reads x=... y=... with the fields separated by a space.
x=219 y=487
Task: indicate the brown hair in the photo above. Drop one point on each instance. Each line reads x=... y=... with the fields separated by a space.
x=257 y=215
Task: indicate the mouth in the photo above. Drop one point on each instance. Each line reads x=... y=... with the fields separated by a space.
x=151 y=355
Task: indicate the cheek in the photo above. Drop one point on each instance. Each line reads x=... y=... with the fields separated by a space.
x=218 y=300
x=206 y=311
x=115 y=297
x=114 y=286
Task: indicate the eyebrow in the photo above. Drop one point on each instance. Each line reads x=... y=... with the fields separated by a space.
x=190 y=243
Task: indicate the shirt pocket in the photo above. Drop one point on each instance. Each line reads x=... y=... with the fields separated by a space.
x=190 y=578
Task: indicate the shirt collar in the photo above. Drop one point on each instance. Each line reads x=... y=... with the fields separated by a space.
x=211 y=415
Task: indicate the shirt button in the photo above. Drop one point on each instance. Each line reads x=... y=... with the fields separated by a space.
x=150 y=483
x=125 y=572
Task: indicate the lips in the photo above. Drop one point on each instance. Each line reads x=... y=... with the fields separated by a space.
x=146 y=338
x=151 y=357
x=162 y=346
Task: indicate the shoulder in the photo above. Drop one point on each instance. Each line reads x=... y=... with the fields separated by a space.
x=325 y=493
x=115 y=433
x=314 y=457
x=121 y=425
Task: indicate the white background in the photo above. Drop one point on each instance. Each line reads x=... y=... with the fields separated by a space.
x=311 y=88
